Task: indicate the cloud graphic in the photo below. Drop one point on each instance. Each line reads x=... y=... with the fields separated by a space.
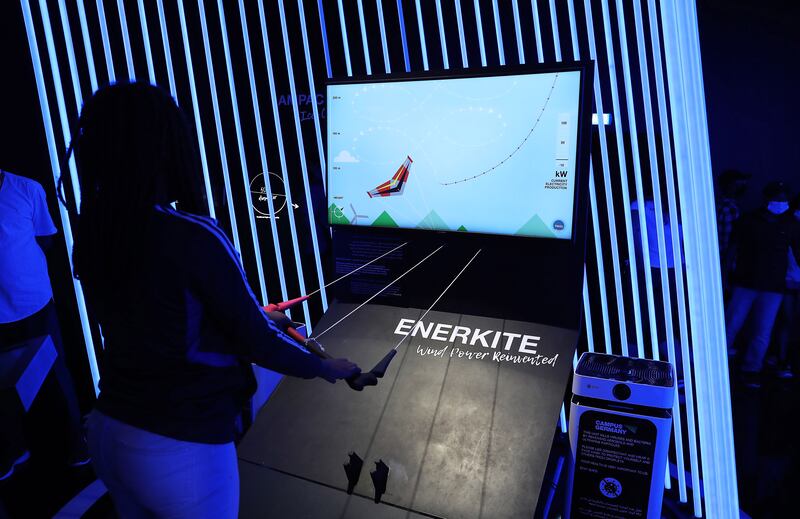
x=345 y=156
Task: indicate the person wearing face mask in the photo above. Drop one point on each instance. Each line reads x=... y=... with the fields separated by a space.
x=787 y=334
x=761 y=241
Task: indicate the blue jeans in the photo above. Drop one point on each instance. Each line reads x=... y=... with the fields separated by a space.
x=149 y=475
x=764 y=308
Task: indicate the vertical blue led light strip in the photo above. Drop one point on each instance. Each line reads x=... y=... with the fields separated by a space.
x=87 y=45
x=167 y=53
x=284 y=171
x=442 y=37
x=662 y=251
x=461 y=40
x=363 y=37
x=263 y=152
x=60 y=102
x=402 y=23
x=101 y=15
x=312 y=224
x=422 y=45
x=693 y=165
x=346 y=45
x=313 y=91
x=386 y=65
x=223 y=155
x=573 y=30
x=601 y=276
x=223 y=29
x=195 y=107
x=587 y=312
x=151 y=73
x=324 y=31
x=601 y=271
x=645 y=239
x=73 y=66
x=713 y=397
x=499 y=33
x=554 y=24
x=479 y=25
x=612 y=226
x=518 y=32
x=126 y=41
x=537 y=31
x=637 y=176
x=52 y=148
x=623 y=177
x=677 y=247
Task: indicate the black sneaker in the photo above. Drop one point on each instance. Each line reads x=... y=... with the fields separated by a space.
x=751 y=379
x=79 y=455
x=19 y=461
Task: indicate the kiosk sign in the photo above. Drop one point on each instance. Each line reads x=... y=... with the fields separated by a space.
x=613 y=466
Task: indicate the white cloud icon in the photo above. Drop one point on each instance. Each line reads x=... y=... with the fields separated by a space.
x=345 y=156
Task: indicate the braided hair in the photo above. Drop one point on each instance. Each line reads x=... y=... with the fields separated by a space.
x=134 y=149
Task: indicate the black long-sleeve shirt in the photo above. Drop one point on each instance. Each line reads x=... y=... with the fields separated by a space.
x=762 y=241
x=177 y=354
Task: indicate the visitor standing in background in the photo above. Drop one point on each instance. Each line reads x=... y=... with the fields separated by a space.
x=761 y=241
x=27 y=309
x=732 y=185
x=788 y=330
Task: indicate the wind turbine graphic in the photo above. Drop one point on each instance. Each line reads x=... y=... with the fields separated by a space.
x=356 y=216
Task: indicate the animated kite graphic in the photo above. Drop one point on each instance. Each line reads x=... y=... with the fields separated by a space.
x=397 y=184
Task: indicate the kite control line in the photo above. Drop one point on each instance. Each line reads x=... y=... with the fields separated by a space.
x=437 y=300
x=357 y=382
x=371 y=377
x=291 y=331
x=380 y=368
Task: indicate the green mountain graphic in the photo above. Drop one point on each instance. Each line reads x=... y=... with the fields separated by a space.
x=535 y=227
x=336 y=215
x=462 y=229
x=433 y=221
x=384 y=220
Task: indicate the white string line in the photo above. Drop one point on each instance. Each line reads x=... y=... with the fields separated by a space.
x=438 y=298
x=398 y=278
x=359 y=268
x=521 y=144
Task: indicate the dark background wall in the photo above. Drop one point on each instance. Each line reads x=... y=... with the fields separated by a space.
x=750 y=56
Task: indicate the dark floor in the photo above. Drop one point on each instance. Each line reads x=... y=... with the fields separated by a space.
x=42 y=485
x=764 y=431
x=767 y=448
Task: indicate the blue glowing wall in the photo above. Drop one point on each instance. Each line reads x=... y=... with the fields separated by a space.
x=251 y=73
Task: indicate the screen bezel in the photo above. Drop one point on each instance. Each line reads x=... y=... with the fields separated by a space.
x=584 y=68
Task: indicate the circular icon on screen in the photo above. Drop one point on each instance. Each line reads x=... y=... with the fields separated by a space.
x=558 y=225
x=258 y=195
x=610 y=487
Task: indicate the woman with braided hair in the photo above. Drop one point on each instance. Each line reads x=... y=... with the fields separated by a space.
x=180 y=323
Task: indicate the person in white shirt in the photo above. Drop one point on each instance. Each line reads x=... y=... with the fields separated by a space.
x=27 y=309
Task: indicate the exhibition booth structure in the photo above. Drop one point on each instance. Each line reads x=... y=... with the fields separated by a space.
x=456 y=211
x=472 y=331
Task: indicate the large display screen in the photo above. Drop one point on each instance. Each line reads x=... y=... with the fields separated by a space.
x=492 y=155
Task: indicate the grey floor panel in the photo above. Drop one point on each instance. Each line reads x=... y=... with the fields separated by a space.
x=455 y=465
x=310 y=425
x=464 y=438
x=266 y=494
x=401 y=437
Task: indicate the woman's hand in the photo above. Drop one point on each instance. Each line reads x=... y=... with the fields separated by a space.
x=335 y=369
